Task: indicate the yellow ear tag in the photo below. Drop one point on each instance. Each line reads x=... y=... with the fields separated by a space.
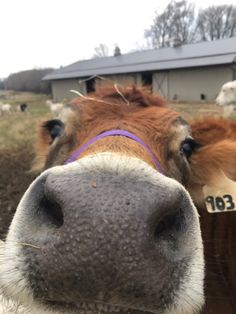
x=220 y=197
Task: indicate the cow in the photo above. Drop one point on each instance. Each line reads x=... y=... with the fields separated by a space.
x=23 y=107
x=5 y=109
x=216 y=157
x=108 y=226
x=227 y=94
x=55 y=108
x=227 y=98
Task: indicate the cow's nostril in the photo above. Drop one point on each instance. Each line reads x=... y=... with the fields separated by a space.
x=52 y=211
x=169 y=225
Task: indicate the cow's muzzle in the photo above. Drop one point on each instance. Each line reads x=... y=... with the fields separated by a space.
x=108 y=231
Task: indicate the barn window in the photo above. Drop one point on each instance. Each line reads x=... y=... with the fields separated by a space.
x=90 y=85
x=147 y=79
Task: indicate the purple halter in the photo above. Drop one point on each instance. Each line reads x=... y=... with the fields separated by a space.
x=76 y=154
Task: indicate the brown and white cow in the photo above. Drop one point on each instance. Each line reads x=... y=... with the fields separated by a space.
x=113 y=230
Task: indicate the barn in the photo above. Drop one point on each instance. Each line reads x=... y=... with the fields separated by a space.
x=191 y=72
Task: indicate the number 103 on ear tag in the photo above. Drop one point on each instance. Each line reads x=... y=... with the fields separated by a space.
x=220 y=197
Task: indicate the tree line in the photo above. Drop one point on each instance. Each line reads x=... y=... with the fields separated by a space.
x=180 y=24
x=30 y=80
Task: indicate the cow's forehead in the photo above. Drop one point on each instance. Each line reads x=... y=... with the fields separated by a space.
x=90 y=110
x=151 y=121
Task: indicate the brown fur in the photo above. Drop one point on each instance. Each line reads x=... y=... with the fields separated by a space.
x=140 y=117
x=42 y=147
x=218 y=140
x=209 y=130
x=135 y=96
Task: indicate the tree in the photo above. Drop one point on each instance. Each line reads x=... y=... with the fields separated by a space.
x=175 y=26
x=30 y=80
x=101 y=51
x=216 y=22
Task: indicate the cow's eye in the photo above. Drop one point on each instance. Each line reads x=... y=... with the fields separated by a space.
x=188 y=146
x=54 y=127
x=55 y=132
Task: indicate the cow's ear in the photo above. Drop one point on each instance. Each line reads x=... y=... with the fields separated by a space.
x=213 y=175
x=53 y=129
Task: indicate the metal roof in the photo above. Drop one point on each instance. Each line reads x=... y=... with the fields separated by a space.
x=193 y=55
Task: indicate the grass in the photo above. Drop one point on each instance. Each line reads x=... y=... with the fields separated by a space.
x=198 y=110
x=19 y=128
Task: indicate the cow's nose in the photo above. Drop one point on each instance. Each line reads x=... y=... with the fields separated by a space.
x=121 y=234
x=94 y=206
x=106 y=203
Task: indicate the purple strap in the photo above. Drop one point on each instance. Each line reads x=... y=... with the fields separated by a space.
x=76 y=154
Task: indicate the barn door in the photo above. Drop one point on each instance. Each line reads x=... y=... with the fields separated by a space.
x=234 y=69
x=160 y=83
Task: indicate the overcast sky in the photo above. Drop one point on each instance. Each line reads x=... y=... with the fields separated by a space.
x=51 y=33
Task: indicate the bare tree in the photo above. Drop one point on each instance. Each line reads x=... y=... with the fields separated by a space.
x=216 y=22
x=101 y=51
x=175 y=26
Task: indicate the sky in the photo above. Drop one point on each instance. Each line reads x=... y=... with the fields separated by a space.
x=54 y=33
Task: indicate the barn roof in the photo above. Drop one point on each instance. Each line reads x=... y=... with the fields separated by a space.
x=193 y=55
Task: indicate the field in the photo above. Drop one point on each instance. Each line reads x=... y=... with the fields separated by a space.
x=17 y=138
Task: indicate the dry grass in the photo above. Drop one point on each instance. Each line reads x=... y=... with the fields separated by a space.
x=17 y=137
x=19 y=128
x=198 y=110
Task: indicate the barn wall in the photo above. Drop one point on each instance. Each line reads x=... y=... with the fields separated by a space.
x=61 y=89
x=122 y=79
x=188 y=84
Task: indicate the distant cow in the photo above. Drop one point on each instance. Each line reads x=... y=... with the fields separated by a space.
x=227 y=94
x=55 y=108
x=108 y=226
x=23 y=107
x=5 y=109
x=227 y=98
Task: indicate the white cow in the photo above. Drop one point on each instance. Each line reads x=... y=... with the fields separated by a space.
x=227 y=94
x=5 y=109
x=55 y=108
x=227 y=97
